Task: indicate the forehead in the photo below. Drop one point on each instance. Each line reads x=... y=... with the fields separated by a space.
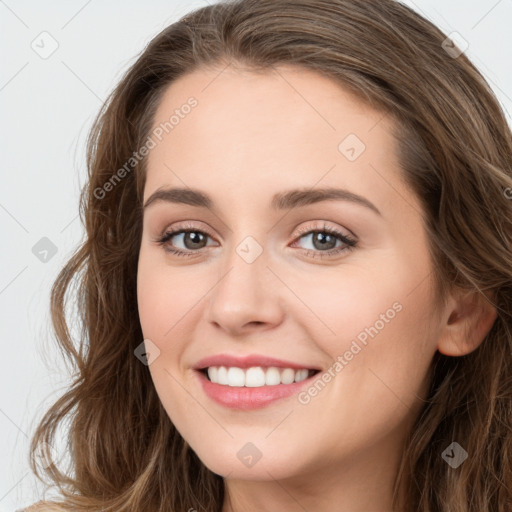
x=266 y=129
x=263 y=103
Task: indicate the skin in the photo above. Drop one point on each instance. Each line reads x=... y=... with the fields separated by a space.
x=252 y=135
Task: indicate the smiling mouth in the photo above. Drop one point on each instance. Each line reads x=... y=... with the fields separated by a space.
x=255 y=376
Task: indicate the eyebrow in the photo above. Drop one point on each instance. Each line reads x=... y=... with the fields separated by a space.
x=280 y=201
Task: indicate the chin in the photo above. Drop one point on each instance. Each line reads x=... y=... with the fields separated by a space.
x=242 y=463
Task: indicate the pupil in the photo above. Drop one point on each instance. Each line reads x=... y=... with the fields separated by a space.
x=322 y=238
x=196 y=238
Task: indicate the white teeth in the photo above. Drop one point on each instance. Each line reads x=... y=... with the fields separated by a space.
x=272 y=376
x=255 y=376
x=222 y=375
x=236 y=377
x=288 y=376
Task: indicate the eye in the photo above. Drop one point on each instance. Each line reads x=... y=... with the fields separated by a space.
x=324 y=241
x=193 y=239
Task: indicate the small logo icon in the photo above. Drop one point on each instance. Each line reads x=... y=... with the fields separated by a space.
x=249 y=249
x=44 y=250
x=454 y=45
x=249 y=455
x=454 y=455
x=45 y=45
x=147 y=352
x=351 y=147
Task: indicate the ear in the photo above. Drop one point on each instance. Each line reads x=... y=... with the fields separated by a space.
x=470 y=316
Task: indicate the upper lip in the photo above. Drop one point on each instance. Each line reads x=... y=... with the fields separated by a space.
x=248 y=361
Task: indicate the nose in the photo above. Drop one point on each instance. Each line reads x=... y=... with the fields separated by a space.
x=246 y=297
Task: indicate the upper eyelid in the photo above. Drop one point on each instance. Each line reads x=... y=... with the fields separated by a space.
x=301 y=230
x=325 y=227
x=185 y=225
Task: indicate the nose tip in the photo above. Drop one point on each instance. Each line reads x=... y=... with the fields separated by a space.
x=243 y=300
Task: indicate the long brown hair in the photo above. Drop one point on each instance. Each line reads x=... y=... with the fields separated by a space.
x=455 y=149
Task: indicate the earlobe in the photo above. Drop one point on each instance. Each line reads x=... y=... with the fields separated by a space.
x=471 y=317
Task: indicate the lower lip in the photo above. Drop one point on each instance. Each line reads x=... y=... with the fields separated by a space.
x=247 y=398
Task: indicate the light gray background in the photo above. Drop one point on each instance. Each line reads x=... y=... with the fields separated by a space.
x=47 y=107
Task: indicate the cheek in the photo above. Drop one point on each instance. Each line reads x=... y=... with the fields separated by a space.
x=340 y=304
x=380 y=352
x=378 y=318
x=165 y=298
x=166 y=302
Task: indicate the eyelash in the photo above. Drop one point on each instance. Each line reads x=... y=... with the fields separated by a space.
x=349 y=242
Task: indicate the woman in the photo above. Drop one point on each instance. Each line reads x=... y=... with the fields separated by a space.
x=229 y=364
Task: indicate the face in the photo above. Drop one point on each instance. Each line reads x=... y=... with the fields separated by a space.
x=335 y=283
